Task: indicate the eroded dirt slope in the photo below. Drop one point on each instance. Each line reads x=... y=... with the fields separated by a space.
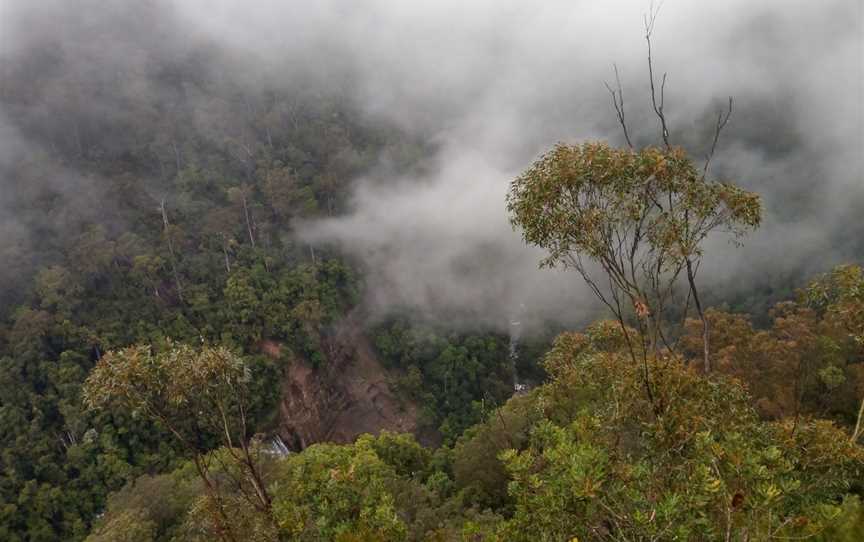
x=348 y=396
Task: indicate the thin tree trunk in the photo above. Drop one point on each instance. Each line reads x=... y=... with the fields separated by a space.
x=221 y=519
x=254 y=475
x=705 y=346
x=248 y=221
x=225 y=251
x=857 y=432
x=166 y=226
x=256 y=479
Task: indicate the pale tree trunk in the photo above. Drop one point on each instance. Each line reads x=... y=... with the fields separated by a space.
x=166 y=229
x=248 y=221
x=225 y=252
x=857 y=432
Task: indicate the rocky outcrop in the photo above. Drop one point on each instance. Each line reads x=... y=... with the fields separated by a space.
x=348 y=396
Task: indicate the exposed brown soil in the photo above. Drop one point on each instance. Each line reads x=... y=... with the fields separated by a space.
x=348 y=396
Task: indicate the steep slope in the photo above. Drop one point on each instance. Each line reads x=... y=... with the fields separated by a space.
x=350 y=394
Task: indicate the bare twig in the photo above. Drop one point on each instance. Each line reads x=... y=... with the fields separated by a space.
x=722 y=119
x=617 y=95
x=650 y=19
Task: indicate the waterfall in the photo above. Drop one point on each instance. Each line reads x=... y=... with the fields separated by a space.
x=515 y=334
x=278 y=447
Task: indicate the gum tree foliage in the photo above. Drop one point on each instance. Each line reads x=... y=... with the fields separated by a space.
x=147 y=509
x=599 y=466
x=839 y=297
x=809 y=360
x=89 y=265
x=338 y=493
x=201 y=395
x=454 y=377
x=640 y=216
x=582 y=456
x=376 y=489
x=176 y=506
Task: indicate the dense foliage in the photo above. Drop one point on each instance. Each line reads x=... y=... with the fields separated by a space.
x=641 y=216
x=455 y=377
x=808 y=362
x=163 y=213
x=159 y=210
x=583 y=456
x=146 y=230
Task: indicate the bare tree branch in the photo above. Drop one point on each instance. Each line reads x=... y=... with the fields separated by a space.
x=721 y=123
x=617 y=95
x=650 y=19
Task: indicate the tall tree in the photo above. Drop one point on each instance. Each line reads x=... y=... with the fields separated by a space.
x=641 y=216
x=201 y=396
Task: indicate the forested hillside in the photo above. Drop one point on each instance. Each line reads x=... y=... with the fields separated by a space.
x=151 y=201
x=223 y=263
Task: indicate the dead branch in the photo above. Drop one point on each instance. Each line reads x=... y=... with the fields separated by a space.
x=721 y=123
x=617 y=95
x=650 y=19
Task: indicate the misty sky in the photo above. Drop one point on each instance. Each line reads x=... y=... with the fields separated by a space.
x=494 y=83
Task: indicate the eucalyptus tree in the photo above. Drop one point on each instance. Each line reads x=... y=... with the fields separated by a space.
x=640 y=215
x=200 y=395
